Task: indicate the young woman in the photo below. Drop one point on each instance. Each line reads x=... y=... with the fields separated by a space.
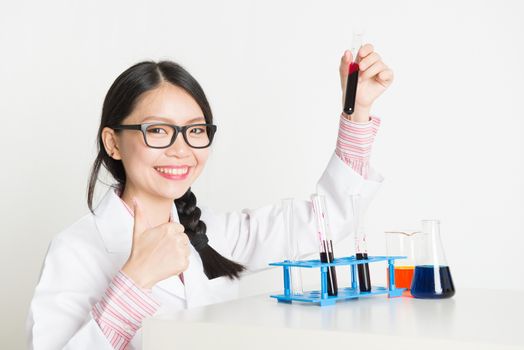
x=147 y=248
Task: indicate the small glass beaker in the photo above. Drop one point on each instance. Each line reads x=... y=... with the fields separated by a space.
x=432 y=277
x=400 y=243
x=292 y=252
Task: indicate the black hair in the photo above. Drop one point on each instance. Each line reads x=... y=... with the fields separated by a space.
x=118 y=104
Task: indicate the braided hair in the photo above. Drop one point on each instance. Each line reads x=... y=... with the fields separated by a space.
x=118 y=104
x=215 y=265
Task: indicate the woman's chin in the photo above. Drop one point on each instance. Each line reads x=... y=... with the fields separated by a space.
x=173 y=194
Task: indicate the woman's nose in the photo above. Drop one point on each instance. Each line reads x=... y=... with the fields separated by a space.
x=179 y=148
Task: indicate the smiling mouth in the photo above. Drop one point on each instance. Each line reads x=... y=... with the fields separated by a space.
x=173 y=171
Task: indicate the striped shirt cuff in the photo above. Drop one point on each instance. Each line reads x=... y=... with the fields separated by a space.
x=355 y=141
x=120 y=312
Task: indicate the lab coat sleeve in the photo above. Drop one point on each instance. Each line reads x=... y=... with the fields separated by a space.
x=256 y=237
x=60 y=312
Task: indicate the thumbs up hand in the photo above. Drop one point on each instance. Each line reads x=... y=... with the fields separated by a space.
x=157 y=252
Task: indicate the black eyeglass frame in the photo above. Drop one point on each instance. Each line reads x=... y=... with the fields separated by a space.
x=177 y=130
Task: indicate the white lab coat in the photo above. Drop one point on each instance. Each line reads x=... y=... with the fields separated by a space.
x=82 y=260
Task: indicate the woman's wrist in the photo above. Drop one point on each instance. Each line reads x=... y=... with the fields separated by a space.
x=135 y=277
x=360 y=115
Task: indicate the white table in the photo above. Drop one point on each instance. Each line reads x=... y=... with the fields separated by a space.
x=472 y=319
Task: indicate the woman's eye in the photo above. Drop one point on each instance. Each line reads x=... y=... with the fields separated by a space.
x=156 y=131
x=197 y=131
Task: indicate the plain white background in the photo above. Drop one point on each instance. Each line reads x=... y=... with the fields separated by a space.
x=450 y=145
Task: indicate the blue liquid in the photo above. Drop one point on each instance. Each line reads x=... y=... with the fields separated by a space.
x=423 y=285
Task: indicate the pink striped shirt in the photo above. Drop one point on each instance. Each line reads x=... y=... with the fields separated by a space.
x=122 y=309
x=125 y=305
x=355 y=141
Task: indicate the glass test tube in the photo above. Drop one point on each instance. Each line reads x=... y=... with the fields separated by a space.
x=325 y=242
x=361 y=252
x=293 y=252
x=354 y=69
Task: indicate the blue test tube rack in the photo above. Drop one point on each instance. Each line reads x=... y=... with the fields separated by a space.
x=321 y=296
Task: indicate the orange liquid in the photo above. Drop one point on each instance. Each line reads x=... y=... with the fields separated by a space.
x=403 y=276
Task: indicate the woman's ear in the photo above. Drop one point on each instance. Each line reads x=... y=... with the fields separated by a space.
x=109 y=138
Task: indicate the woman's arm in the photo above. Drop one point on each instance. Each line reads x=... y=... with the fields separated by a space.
x=59 y=312
x=76 y=306
x=354 y=142
x=122 y=309
x=255 y=237
x=357 y=131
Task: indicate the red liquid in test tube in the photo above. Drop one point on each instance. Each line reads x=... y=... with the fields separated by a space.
x=351 y=85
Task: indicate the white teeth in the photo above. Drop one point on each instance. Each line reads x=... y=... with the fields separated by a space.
x=173 y=171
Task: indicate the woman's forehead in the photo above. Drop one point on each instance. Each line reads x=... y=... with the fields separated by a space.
x=168 y=104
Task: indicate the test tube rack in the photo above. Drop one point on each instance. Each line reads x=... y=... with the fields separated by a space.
x=321 y=296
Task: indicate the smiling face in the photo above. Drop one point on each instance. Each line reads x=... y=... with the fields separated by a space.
x=168 y=172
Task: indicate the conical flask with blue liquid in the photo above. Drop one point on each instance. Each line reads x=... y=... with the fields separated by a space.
x=432 y=276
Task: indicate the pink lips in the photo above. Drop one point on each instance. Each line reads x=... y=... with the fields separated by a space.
x=172 y=176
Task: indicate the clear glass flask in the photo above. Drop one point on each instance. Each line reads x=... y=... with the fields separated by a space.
x=293 y=252
x=432 y=276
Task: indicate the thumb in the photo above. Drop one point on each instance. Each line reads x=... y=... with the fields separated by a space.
x=345 y=60
x=140 y=221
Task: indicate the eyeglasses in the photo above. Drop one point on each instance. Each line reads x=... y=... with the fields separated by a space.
x=161 y=135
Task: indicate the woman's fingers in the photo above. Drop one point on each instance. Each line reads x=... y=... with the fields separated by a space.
x=364 y=51
x=373 y=70
x=368 y=61
x=385 y=77
x=371 y=66
x=366 y=56
x=380 y=72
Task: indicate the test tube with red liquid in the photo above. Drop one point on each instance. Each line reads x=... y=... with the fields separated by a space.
x=326 y=244
x=352 y=82
x=361 y=253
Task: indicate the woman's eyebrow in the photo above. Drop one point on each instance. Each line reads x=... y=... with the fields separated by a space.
x=169 y=121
